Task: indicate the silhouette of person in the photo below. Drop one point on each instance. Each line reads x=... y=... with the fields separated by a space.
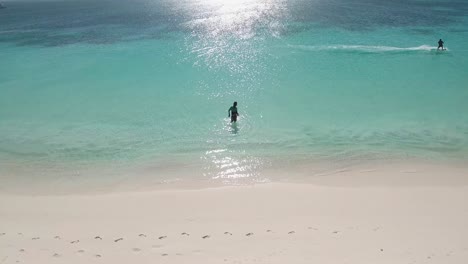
x=441 y=44
x=232 y=112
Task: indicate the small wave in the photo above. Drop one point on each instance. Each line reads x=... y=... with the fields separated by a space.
x=364 y=48
x=17 y=31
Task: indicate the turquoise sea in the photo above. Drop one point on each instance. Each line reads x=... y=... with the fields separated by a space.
x=127 y=90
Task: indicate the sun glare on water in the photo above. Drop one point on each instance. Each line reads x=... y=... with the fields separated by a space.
x=224 y=33
x=239 y=18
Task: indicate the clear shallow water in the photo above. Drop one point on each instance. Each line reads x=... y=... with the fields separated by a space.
x=115 y=87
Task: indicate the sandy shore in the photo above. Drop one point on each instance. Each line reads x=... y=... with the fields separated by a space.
x=268 y=223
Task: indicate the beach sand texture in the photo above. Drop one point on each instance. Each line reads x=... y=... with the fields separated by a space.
x=269 y=223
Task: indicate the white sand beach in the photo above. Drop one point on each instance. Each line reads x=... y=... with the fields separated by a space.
x=328 y=221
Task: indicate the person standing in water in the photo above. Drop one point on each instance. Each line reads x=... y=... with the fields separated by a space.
x=232 y=112
x=441 y=44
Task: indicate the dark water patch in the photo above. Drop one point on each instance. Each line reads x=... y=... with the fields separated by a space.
x=102 y=22
x=87 y=36
x=369 y=14
x=81 y=14
x=70 y=22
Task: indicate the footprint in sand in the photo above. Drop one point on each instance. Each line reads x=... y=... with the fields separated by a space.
x=97 y=256
x=35 y=238
x=81 y=251
x=118 y=239
x=98 y=237
x=249 y=234
x=142 y=235
x=313 y=228
x=20 y=234
x=56 y=255
x=269 y=231
x=164 y=255
x=74 y=242
x=56 y=237
x=162 y=237
x=185 y=234
x=136 y=249
x=228 y=233
x=2 y=234
x=21 y=250
x=205 y=237
x=336 y=232
x=291 y=232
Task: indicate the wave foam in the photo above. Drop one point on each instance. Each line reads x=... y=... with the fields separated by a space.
x=364 y=48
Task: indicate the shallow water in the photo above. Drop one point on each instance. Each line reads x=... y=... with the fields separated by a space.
x=109 y=87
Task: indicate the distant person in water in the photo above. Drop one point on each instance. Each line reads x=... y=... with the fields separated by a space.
x=441 y=45
x=232 y=112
